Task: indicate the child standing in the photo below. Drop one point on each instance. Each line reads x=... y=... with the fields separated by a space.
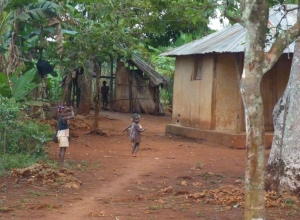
x=135 y=130
x=63 y=132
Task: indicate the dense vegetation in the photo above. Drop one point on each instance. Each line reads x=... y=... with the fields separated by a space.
x=22 y=141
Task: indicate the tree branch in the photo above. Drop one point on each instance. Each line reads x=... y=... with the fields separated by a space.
x=283 y=40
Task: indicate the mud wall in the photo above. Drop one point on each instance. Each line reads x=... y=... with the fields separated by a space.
x=214 y=102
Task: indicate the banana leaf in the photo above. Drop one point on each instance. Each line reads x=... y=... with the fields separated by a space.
x=23 y=85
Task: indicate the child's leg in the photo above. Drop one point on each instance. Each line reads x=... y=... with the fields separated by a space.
x=136 y=148
x=132 y=145
x=62 y=152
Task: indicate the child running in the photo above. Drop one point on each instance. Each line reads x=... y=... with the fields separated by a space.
x=63 y=132
x=135 y=129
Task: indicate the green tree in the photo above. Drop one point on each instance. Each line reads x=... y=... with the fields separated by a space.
x=257 y=62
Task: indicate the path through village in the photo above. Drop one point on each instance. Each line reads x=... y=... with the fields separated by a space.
x=172 y=178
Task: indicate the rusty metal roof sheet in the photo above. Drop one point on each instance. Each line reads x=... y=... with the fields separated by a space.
x=155 y=78
x=232 y=39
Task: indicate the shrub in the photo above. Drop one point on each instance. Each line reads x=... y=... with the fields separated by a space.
x=22 y=140
x=29 y=137
x=10 y=161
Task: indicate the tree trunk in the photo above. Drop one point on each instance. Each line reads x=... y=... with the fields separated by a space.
x=255 y=146
x=256 y=28
x=67 y=90
x=96 y=95
x=283 y=171
x=111 y=94
x=84 y=84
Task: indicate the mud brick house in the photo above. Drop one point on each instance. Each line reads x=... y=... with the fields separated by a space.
x=207 y=103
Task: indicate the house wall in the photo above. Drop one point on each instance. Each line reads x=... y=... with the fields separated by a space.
x=272 y=87
x=192 y=98
x=206 y=91
x=181 y=94
x=214 y=103
x=227 y=94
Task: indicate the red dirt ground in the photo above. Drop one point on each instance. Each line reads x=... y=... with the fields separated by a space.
x=172 y=178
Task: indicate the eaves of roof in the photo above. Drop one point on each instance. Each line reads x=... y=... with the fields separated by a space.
x=232 y=39
x=155 y=78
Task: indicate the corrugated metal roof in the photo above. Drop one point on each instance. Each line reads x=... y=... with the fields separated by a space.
x=232 y=39
x=156 y=79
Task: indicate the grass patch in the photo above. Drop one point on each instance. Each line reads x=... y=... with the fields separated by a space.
x=154 y=207
x=72 y=164
x=199 y=214
x=36 y=193
x=290 y=202
x=198 y=165
x=11 y=161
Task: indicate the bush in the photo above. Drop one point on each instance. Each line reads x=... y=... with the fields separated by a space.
x=23 y=139
x=29 y=137
x=10 y=161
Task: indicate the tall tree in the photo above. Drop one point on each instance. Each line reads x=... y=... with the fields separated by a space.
x=256 y=64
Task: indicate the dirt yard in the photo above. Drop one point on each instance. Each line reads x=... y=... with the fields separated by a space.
x=172 y=178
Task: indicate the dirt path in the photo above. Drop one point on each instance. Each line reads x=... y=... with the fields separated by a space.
x=161 y=183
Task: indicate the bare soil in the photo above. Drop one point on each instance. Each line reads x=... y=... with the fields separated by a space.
x=172 y=178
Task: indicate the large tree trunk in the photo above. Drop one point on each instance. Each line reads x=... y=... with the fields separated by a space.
x=111 y=93
x=256 y=27
x=96 y=95
x=67 y=90
x=282 y=172
x=84 y=84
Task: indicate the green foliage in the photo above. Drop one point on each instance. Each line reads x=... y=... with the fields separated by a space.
x=40 y=10
x=21 y=136
x=164 y=66
x=166 y=95
x=9 y=111
x=4 y=25
x=23 y=85
x=31 y=137
x=10 y=161
x=14 y=4
x=53 y=87
x=4 y=88
x=165 y=21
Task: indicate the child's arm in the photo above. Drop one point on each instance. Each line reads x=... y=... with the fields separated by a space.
x=139 y=128
x=71 y=116
x=126 y=128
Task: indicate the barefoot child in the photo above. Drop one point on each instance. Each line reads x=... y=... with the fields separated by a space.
x=63 y=132
x=135 y=130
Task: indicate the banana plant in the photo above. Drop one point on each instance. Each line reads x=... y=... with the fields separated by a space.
x=21 y=85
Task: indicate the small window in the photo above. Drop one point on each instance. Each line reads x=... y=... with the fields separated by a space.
x=198 y=66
